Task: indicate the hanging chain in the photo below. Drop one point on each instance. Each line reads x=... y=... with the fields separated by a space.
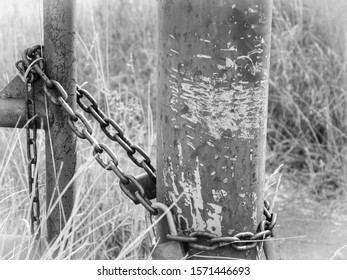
x=25 y=67
x=58 y=96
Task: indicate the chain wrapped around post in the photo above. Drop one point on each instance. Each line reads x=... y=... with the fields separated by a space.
x=30 y=61
x=32 y=67
x=241 y=241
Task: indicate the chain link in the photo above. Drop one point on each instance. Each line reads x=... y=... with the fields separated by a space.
x=241 y=241
x=58 y=96
x=30 y=61
x=118 y=136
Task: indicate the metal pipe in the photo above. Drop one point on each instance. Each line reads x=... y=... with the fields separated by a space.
x=212 y=110
x=59 y=54
x=12 y=113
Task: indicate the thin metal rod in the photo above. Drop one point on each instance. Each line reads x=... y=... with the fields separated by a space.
x=212 y=111
x=59 y=54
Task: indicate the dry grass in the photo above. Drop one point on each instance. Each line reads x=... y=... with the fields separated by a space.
x=116 y=56
x=307 y=98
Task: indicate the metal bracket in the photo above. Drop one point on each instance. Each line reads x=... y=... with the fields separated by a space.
x=16 y=88
x=13 y=106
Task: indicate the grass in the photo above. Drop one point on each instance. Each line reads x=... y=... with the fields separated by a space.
x=307 y=98
x=116 y=57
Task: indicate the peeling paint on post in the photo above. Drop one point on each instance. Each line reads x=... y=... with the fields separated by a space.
x=59 y=53
x=212 y=110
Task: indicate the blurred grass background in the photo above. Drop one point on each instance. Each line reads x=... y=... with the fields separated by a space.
x=116 y=50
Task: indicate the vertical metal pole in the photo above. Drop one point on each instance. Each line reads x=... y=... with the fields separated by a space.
x=212 y=110
x=59 y=52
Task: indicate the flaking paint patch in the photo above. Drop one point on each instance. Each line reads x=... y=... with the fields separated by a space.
x=169 y=173
x=180 y=154
x=205 y=40
x=214 y=223
x=210 y=105
x=173 y=109
x=190 y=144
x=207 y=99
x=210 y=143
x=229 y=63
x=254 y=197
x=193 y=196
x=217 y=195
x=230 y=48
x=203 y=56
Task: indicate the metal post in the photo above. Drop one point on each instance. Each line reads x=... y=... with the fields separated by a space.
x=59 y=54
x=212 y=110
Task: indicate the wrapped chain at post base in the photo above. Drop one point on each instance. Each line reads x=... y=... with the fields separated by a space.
x=32 y=66
x=241 y=241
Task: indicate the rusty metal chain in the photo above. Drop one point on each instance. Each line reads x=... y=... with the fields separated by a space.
x=58 y=96
x=241 y=241
x=30 y=57
x=137 y=196
x=119 y=137
x=33 y=67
